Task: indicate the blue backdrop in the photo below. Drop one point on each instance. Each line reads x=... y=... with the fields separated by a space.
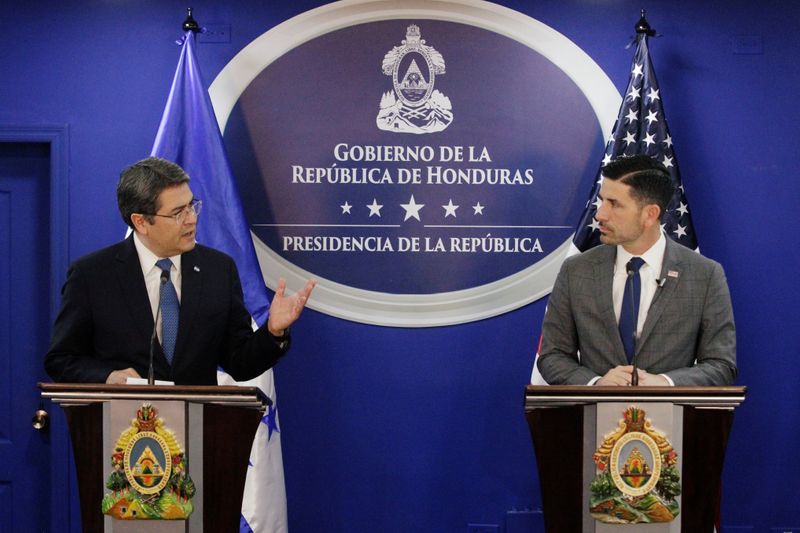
x=389 y=429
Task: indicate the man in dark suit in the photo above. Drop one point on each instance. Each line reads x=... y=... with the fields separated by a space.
x=685 y=333
x=110 y=300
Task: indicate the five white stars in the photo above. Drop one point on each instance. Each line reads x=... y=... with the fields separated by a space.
x=412 y=208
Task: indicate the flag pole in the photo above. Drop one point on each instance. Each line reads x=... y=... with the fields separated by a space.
x=190 y=136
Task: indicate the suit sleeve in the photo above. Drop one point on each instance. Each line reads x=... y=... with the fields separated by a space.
x=715 y=350
x=558 y=355
x=248 y=354
x=71 y=357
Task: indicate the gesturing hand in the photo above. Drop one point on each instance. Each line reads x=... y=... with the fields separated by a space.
x=284 y=310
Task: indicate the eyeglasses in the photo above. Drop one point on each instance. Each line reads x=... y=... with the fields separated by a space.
x=194 y=207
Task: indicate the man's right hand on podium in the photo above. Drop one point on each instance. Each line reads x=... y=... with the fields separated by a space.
x=120 y=377
x=617 y=376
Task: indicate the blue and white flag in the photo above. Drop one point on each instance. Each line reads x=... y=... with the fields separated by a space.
x=189 y=135
x=641 y=128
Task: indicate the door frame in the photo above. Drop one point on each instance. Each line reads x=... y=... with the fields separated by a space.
x=57 y=137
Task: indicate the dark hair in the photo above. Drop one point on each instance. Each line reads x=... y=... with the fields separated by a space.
x=141 y=183
x=648 y=179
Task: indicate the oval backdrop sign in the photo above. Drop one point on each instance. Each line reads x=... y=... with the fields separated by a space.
x=425 y=161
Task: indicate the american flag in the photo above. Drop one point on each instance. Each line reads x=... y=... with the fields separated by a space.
x=641 y=128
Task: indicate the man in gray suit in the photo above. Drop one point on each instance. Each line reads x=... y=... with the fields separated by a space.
x=685 y=333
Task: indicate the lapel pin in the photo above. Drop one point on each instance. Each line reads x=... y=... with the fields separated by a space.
x=672 y=273
x=197 y=268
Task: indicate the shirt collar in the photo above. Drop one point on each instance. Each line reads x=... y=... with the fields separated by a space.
x=653 y=257
x=147 y=259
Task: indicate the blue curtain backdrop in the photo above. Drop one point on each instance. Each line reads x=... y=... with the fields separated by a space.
x=396 y=429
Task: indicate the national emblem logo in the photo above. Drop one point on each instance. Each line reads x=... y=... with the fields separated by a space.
x=414 y=106
x=149 y=478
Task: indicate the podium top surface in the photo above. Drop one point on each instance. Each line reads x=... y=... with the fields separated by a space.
x=537 y=396
x=84 y=393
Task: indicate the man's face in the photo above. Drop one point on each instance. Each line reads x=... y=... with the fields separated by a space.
x=164 y=237
x=622 y=220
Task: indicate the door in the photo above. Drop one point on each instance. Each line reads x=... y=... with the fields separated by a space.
x=24 y=334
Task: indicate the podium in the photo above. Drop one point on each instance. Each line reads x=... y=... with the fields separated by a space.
x=595 y=453
x=212 y=428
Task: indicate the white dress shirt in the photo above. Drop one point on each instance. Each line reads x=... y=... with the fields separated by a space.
x=152 y=276
x=649 y=273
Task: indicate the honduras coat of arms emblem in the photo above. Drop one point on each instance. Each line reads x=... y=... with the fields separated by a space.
x=414 y=106
x=149 y=478
x=637 y=478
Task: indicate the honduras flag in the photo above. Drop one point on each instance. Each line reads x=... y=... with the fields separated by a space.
x=189 y=136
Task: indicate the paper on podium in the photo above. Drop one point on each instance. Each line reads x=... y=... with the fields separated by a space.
x=142 y=381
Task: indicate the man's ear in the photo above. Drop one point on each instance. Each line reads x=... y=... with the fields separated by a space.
x=652 y=214
x=139 y=222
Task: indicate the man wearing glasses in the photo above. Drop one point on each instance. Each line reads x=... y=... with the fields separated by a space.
x=159 y=276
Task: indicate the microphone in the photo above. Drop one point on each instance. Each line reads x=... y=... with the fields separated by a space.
x=630 y=272
x=150 y=371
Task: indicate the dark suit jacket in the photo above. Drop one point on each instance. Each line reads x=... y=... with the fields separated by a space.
x=689 y=334
x=105 y=322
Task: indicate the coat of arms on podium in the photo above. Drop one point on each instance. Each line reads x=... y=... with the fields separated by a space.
x=149 y=478
x=637 y=478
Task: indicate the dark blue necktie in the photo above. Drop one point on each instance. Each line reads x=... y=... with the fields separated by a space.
x=630 y=300
x=170 y=309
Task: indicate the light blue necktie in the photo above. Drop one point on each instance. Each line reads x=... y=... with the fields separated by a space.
x=628 y=320
x=170 y=309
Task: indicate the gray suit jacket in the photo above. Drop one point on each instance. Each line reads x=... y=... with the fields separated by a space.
x=689 y=334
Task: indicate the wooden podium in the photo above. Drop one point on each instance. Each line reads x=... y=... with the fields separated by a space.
x=216 y=427
x=569 y=423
